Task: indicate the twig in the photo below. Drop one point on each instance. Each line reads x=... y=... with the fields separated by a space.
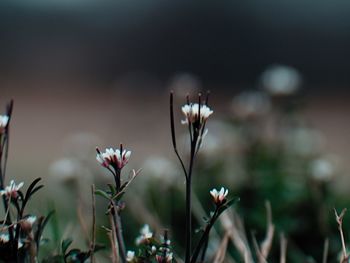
x=133 y=176
x=339 y=219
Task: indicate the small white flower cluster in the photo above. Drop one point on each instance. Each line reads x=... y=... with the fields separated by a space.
x=116 y=158
x=145 y=234
x=196 y=113
x=219 y=197
x=11 y=190
x=4 y=119
x=4 y=238
x=168 y=257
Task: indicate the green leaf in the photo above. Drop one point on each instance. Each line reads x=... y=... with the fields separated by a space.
x=103 y=194
x=65 y=244
x=30 y=188
x=42 y=222
x=112 y=189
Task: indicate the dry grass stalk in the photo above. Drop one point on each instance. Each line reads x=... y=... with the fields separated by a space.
x=220 y=254
x=260 y=256
x=265 y=247
x=93 y=234
x=283 y=243
x=113 y=239
x=339 y=218
x=3 y=227
x=233 y=225
x=325 y=251
x=133 y=175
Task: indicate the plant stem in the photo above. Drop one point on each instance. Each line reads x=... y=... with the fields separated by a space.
x=2 y=184
x=189 y=201
x=204 y=237
x=188 y=220
x=119 y=233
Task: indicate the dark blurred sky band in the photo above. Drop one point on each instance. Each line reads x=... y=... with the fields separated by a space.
x=221 y=42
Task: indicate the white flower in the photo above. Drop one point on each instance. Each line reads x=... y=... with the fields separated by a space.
x=4 y=119
x=219 y=196
x=130 y=255
x=145 y=234
x=11 y=190
x=195 y=113
x=153 y=249
x=31 y=219
x=27 y=223
x=117 y=158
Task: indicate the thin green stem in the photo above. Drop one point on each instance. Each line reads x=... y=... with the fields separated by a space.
x=189 y=201
x=204 y=237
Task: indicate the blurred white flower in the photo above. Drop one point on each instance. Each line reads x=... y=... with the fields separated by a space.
x=117 y=158
x=27 y=223
x=12 y=189
x=196 y=113
x=160 y=168
x=130 y=256
x=322 y=169
x=153 y=249
x=249 y=104
x=168 y=258
x=4 y=238
x=281 y=80
x=66 y=169
x=80 y=145
x=3 y=122
x=145 y=234
x=303 y=141
x=221 y=142
x=219 y=197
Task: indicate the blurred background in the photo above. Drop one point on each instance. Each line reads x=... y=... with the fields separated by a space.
x=97 y=73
